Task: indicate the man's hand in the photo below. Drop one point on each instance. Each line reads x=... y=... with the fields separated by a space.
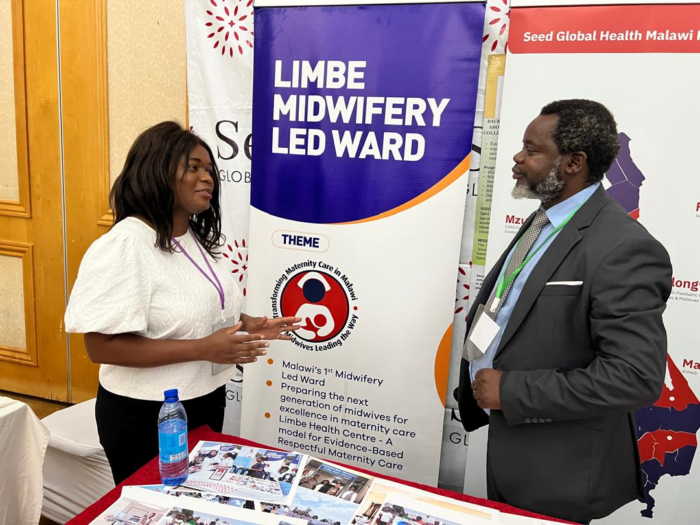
x=486 y=388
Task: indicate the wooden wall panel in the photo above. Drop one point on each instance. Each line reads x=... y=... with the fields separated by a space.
x=86 y=154
x=22 y=206
x=44 y=230
x=21 y=352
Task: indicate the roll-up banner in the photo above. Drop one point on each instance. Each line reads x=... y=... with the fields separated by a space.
x=362 y=127
x=469 y=274
x=643 y=63
x=220 y=39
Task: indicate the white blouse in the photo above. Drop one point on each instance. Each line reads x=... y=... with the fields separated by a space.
x=128 y=285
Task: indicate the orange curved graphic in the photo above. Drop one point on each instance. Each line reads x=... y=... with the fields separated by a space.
x=455 y=174
x=442 y=364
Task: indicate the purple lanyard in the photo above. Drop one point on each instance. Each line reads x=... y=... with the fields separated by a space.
x=217 y=284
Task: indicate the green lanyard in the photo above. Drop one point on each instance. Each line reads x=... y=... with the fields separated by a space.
x=505 y=283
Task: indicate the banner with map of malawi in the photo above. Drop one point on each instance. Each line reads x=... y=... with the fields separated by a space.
x=643 y=63
x=362 y=124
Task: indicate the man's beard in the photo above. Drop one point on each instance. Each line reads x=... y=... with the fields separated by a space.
x=546 y=191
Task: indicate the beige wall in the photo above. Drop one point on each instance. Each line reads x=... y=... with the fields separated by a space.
x=147 y=68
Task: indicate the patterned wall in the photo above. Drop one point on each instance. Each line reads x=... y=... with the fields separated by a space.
x=147 y=67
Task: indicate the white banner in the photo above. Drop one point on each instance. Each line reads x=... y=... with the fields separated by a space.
x=357 y=208
x=220 y=39
x=643 y=63
x=219 y=89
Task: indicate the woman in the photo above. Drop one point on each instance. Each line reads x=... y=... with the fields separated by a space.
x=196 y=465
x=150 y=519
x=227 y=460
x=309 y=482
x=211 y=460
x=158 y=309
x=323 y=487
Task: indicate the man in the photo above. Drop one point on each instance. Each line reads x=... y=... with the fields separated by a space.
x=565 y=351
x=281 y=473
x=350 y=494
x=385 y=516
x=257 y=470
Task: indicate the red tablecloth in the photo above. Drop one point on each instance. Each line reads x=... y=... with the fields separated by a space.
x=148 y=475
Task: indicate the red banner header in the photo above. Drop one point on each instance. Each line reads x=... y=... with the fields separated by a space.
x=606 y=29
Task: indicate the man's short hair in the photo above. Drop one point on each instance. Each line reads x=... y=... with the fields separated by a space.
x=588 y=126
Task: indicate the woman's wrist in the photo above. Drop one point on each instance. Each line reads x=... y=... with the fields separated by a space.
x=245 y=322
x=201 y=349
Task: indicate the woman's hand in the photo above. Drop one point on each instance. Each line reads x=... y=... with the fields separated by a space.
x=228 y=347
x=270 y=329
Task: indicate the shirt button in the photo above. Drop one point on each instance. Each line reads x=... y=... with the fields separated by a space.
x=548 y=420
x=543 y=420
x=528 y=420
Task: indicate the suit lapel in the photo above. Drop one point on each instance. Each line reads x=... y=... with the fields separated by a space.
x=564 y=242
x=490 y=280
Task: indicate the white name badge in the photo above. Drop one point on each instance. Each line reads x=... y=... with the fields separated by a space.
x=217 y=368
x=483 y=331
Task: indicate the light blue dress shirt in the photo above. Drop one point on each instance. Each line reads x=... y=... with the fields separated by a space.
x=556 y=215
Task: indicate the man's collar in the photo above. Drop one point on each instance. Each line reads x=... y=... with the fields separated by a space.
x=556 y=214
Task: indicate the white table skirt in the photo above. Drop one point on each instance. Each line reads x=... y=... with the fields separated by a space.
x=24 y=439
x=76 y=471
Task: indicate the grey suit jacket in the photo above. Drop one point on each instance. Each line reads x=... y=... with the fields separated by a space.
x=577 y=361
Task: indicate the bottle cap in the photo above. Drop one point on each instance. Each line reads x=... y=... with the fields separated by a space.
x=171 y=394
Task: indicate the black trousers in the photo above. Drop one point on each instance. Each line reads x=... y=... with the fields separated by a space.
x=128 y=428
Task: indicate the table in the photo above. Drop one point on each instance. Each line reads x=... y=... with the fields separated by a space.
x=24 y=440
x=148 y=474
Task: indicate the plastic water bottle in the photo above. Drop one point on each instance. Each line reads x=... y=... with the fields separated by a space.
x=172 y=440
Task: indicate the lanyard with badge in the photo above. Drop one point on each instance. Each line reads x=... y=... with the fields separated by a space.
x=223 y=322
x=485 y=329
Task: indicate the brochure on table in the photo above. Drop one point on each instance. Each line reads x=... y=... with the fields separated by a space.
x=382 y=489
x=244 y=472
x=186 y=492
x=148 y=507
x=237 y=485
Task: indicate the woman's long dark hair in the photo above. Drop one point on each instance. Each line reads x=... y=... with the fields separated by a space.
x=145 y=187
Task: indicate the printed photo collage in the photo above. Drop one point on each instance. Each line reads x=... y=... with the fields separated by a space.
x=145 y=506
x=232 y=484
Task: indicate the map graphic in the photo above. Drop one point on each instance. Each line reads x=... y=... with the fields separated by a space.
x=666 y=431
x=667 y=434
x=625 y=178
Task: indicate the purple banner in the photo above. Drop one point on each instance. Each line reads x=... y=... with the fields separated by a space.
x=359 y=110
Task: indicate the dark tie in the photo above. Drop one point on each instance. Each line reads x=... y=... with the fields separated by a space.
x=471 y=351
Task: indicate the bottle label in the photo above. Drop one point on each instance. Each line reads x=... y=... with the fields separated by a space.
x=173 y=446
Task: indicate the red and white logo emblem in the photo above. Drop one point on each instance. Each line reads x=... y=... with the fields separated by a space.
x=321 y=302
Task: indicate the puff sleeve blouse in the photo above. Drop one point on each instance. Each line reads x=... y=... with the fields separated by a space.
x=128 y=285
